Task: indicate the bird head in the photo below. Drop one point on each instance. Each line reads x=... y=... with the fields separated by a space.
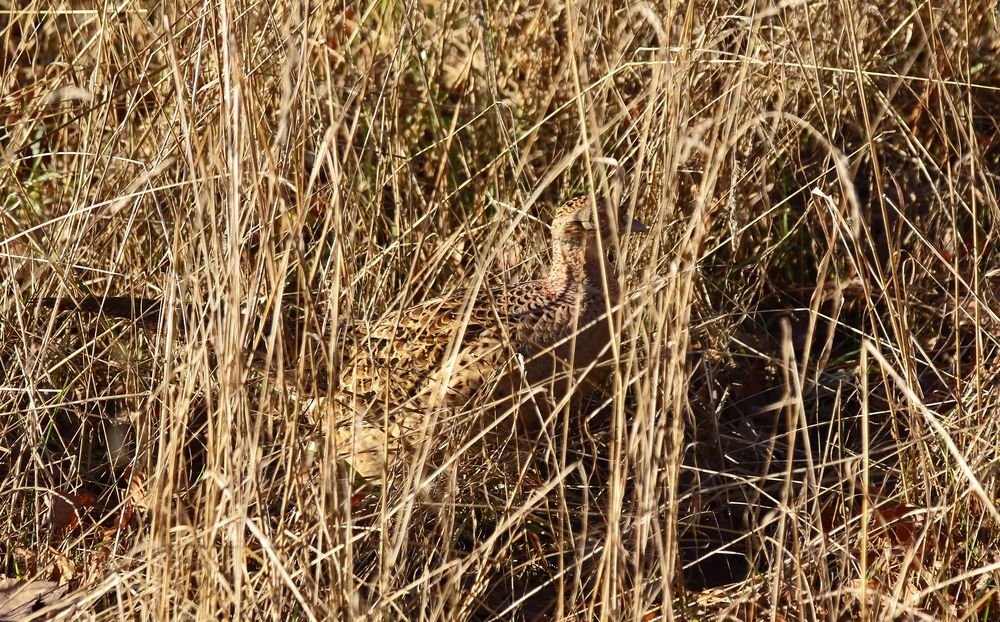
x=579 y=220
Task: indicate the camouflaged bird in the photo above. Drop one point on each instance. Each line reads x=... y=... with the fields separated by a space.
x=499 y=346
x=510 y=352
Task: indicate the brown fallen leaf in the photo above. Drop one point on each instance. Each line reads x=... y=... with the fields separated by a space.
x=66 y=511
x=63 y=570
x=20 y=598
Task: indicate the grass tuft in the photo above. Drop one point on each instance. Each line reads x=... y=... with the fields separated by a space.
x=802 y=421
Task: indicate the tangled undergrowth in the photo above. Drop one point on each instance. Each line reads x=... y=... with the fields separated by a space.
x=802 y=421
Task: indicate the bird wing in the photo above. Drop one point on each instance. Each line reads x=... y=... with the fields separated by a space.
x=411 y=352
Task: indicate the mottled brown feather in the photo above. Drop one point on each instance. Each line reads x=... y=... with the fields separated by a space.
x=441 y=353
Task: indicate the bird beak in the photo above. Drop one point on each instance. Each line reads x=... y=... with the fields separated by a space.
x=636 y=226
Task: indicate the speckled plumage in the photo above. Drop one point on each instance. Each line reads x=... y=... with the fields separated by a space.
x=439 y=355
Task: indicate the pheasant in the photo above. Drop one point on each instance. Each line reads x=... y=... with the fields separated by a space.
x=496 y=350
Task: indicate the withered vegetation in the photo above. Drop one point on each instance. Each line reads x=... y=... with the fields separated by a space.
x=802 y=418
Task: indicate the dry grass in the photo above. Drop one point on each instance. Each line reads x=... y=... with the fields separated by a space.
x=803 y=423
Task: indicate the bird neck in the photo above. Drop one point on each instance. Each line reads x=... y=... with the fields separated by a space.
x=576 y=264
